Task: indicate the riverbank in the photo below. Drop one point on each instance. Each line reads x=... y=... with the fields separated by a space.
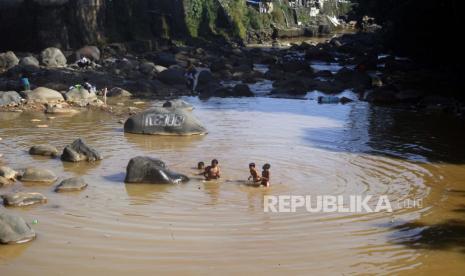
x=356 y=62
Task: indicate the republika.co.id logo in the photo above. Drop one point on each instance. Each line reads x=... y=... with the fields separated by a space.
x=334 y=204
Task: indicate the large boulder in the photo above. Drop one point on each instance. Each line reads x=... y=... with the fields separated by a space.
x=9 y=98
x=8 y=60
x=29 y=61
x=164 y=121
x=44 y=95
x=81 y=96
x=14 y=229
x=44 y=150
x=71 y=185
x=118 y=92
x=172 y=77
x=33 y=174
x=79 y=151
x=21 y=199
x=53 y=57
x=143 y=169
x=90 y=52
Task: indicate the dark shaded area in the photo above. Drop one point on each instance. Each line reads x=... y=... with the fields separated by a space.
x=427 y=30
x=448 y=235
x=402 y=133
x=31 y=25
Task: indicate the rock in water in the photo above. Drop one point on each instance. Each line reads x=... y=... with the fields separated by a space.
x=21 y=199
x=164 y=121
x=175 y=104
x=9 y=98
x=143 y=169
x=44 y=150
x=44 y=95
x=8 y=173
x=4 y=181
x=53 y=57
x=79 y=151
x=71 y=185
x=118 y=92
x=37 y=175
x=14 y=229
x=80 y=96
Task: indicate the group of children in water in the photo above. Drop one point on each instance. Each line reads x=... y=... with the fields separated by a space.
x=213 y=172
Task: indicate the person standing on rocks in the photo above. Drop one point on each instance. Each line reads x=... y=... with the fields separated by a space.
x=191 y=73
x=25 y=83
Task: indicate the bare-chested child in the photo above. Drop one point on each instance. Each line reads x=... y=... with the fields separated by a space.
x=212 y=171
x=266 y=175
x=254 y=174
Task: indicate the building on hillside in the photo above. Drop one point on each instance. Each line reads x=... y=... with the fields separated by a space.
x=263 y=6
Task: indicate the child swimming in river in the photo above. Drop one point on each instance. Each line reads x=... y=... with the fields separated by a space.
x=266 y=175
x=254 y=174
x=201 y=166
x=213 y=171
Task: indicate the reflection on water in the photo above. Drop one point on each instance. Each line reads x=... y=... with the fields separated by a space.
x=352 y=149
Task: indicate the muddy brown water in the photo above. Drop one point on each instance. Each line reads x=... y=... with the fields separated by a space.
x=202 y=228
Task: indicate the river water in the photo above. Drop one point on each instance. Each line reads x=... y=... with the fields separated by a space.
x=201 y=228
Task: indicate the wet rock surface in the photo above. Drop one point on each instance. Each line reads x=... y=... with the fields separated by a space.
x=164 y=121
x=34 y=174
x=21 y=199
x=71 y=185
x=150 y=170
x=13 y=229
x=80 y=151
x=44 y=150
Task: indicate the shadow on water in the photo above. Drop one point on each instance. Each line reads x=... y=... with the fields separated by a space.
x=446 y=235
x=401 y=133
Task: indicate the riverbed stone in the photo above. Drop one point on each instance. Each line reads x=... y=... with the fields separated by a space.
x=13 y=229
x=80 y=96
x=164 y=121
x=118 y=92
x=9 y=98
x=29 y=61
x=63 y=109
x=53 y=57
x=176 y=103
x=33 y=174
x=8 y=173
x=8 y=60
x=44 y=95
x=90 y=52
x=21 y=199
x=44 y=150
x=172 y=77
x=71 y=185
x=80 y=151
x=144 y=169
